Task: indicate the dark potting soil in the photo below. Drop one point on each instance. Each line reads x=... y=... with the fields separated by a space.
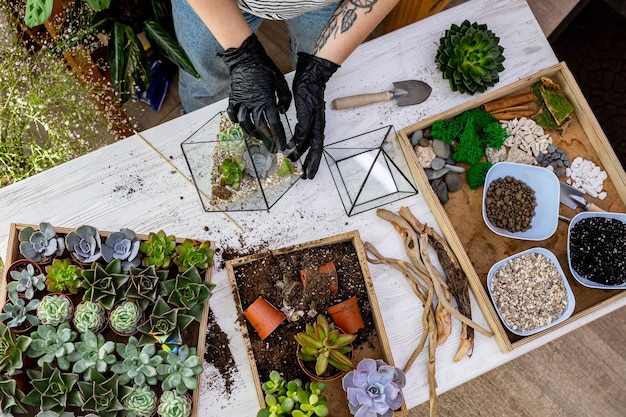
x=260 y=278
x=598 y=250
x=217 y=352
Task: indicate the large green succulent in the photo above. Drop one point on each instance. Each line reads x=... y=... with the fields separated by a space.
x=52 y=389
x=140 y=402
x=63 y=276
x=164 y=324
x=189 y=292
x=171 y=404
x=125 y=318
x=11 y=350
x=232 y=172
x=470 y=57
x=89 y=317
x=54 y=309
x=10 y=397
x=103 y=395
x=144 y=285
x=179 y=369
x=104 y=285
x=137 y=364
x=50 y=343
x=191 y=253
x=92 y=352
x=158 y=249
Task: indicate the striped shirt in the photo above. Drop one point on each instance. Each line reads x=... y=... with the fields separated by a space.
x=281 y=10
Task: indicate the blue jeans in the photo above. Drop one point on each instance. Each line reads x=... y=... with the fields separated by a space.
x=202 y=48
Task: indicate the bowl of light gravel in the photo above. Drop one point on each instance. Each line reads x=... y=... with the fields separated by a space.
x=530 y=291
x=521 y=201
x=596 y=249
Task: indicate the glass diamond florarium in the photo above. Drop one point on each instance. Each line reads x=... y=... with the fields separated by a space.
x=235 y=171
x=369 y=170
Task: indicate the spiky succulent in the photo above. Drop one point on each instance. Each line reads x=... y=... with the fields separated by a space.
x=50 y=343
x=140 y=402
x=52 y=389
x=470 y=57
x=27 y=280
x=85 y=244
x=89 y=317
x=191 y=253
x=63 y=276
x=179 y=369
x=144 y=285
x=40 y=245
x=18 y=311
x=172 y=404
x=54 y=309
x=103 y=395
x=92 y=352
x=138 y=364
x=10 y=397
x=164 y=324
x=125 y=318
x=104 y=285
x=188 y=291
x=11 y=350
x=122 y=245
x=158 y=249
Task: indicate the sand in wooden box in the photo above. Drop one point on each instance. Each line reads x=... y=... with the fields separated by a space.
x=478 y=248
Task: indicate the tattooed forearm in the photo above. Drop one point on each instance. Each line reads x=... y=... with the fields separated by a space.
x=343 y=19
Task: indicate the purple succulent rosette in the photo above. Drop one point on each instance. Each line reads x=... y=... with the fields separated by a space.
x=374 y=388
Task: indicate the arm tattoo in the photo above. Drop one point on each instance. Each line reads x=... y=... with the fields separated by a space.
x=342 y=20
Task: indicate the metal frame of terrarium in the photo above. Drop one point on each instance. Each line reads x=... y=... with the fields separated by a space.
x=262 y=191
x=370 y=170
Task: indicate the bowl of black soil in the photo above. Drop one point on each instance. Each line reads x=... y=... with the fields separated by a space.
x=596 y=249
x=521 y=201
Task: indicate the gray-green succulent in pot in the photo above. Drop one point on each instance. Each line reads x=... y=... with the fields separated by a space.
x=89 y=316
x=137 y=364
x=10 y=397
x=104 y=285
x=125 y=318
x=122 y=245
x=103 y=395
x=140 y=402
x=179 y=369
x=55 y=309
x=18 y=313
x=12 y=350
x=40 y=245
x=144 y=285
x=26 y=281
x=51 y=343
x=85 y=244
x=172 y=404
x=92 y=352
x=52 y=389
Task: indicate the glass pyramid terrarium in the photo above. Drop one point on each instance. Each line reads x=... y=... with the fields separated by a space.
x=370 y=170
x=235 y=171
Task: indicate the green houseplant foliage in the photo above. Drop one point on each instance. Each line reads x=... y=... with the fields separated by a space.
x=179 y=369
x=470 y=57
x=63 y=276
x=138 y=364
x=39 y=245
x=171 y=404
x=122 y=245
x=232 y=172
x=18 y=311
x=325 y=345
x=191 y=253
x=54 y=309
x=293 y=398
x=144 y=284
x=125 y=318
x=50 y=343
x=85 y=244
x=158 y=249
x=140 y=402
x=89 y=317
x=103 y=395
x=10 y=397
x=25 y=281
x=188 y=291
x=52 y=389
x=92 y=352
x=104 y=285
x=11 y=350
x=164 y=324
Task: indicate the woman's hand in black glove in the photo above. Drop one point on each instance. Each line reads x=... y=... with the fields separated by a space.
x=309 y=84
x=258 y=92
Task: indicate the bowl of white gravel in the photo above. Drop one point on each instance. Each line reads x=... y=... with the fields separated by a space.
x=530 y=291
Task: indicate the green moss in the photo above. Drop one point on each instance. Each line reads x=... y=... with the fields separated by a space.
x=545 y=120
x=446 y=131
x=558 y=105
x=469 y=150
x=475 y=176
x=494 y=136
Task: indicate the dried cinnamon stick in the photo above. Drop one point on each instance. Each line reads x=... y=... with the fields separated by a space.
x=510 y=101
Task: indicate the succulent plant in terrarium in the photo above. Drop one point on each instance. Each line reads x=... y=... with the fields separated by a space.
x=50 y=343
x=63 y=276
x=40 y=245
x=470 y=57
x=232 y=172
x=172 y=404
x=179 y=369
x=26 y=281
x=259 y=161
x=19 y=312
x=164 y=324
x=122 y=245
x=286 y=168
x=188 y=291
x=140 y=402
x=191 y=253
x=54 y=309
x=10 y=397
x=232 y=140
x=12 y=350
x=104 y=285
x=125 y=317
x=85 y=244
x=374 y=388
x=325 y=345
x=92 y=352
x=89 y=317
x=52 y=389
x=144 y=285
x=158 y=249
x=103 y=395
x=137 y=364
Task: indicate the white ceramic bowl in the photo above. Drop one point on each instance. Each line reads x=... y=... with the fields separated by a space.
x=547 y=190
x=570 y=295
x=586 y=215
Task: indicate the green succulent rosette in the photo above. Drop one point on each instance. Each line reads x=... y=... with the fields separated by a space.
x=103 y=395
x=52 y=389
x=165 y=324
x=104 y=285
x=188 y=291
x=172 y=404
x=125 y=318
x=89 y=317
x=140 y=402
x=54 y=309
x=144 y=285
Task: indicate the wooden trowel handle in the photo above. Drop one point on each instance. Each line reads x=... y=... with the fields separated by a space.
x=593 y=207
x=359 y=100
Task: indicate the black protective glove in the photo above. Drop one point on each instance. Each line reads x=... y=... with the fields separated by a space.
x=309 y=84
x=256 y=84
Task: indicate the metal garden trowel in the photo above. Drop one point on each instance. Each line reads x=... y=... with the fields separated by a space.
x=574 y=198
x=405 y=93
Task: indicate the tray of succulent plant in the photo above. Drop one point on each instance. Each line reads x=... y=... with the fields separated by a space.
x=117 y=320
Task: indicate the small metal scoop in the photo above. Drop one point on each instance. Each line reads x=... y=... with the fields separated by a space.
x=406 y=93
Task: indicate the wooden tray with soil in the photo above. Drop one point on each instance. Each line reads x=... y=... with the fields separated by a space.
x=478 y=248
x=269 y=273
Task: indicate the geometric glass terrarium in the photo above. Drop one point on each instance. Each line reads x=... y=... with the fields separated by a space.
x=235 y=171
x=370 y=170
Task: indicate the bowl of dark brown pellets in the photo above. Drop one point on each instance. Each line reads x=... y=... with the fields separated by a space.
x=596 y=249
x=521 y=201
x=530 y=291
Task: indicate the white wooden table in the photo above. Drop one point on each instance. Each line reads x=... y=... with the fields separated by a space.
x=128 y=184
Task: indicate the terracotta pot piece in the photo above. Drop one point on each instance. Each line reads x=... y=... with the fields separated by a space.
x=326 y=271
x=264 y=317
x=347 y=316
